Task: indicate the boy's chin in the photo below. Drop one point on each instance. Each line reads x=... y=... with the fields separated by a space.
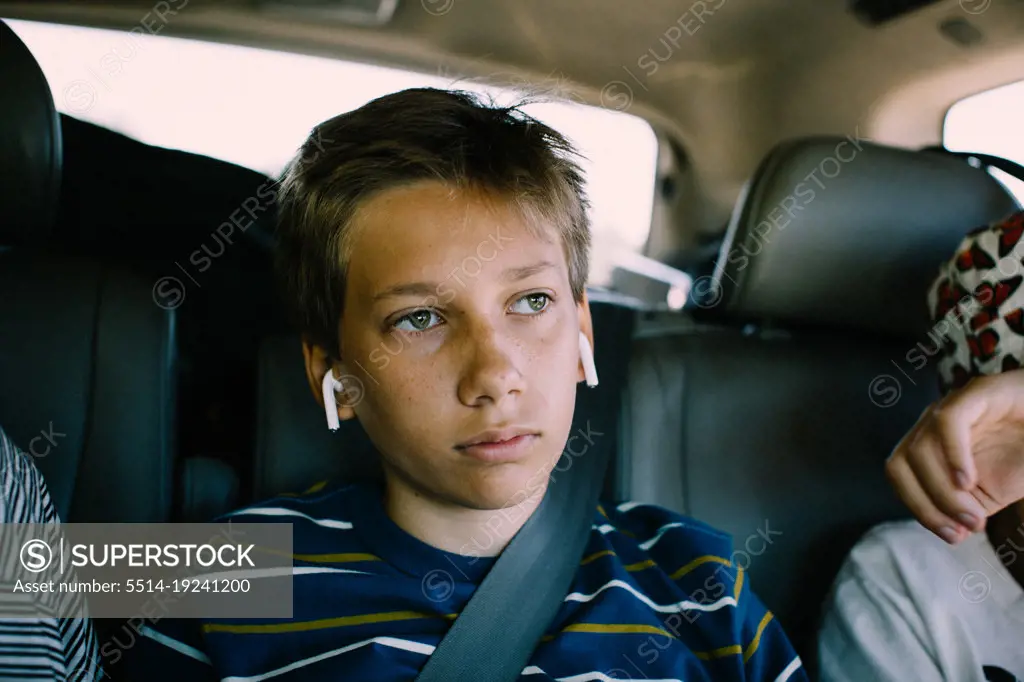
x=512 y=491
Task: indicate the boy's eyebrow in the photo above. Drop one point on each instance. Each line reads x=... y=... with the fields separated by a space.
x=431 y=289
x=408 y=289
x=516 y=274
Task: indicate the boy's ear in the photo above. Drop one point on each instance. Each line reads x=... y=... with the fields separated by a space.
x=318 y=363
x=587 y=327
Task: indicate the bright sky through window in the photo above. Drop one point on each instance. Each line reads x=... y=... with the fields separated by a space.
x=254 y=107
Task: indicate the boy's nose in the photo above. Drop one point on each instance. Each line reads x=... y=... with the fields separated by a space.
x=490 y=372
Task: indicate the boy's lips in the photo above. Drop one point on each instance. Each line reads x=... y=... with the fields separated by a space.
x=499 y=445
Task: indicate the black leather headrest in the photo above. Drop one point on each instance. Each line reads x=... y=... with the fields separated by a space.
x=30 y=146
x=294 y=448
x=842 y=232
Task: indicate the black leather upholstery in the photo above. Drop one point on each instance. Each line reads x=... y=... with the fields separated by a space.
x=159 y=222
x=86 y=353
x=830 y=234
x=86 y=356
x=769 y=435
x=209 y=487
x=770 y=415
x=30 y=146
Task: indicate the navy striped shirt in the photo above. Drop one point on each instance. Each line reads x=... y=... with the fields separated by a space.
x=657 y=597
x=39 y=648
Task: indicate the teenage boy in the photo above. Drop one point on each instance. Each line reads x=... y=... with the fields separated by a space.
x=436 y=249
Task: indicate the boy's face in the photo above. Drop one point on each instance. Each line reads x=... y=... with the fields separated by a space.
x=462 y=328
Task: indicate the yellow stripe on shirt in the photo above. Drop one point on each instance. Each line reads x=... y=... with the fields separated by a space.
x=752 y=648
x=616 y=628
x=640 y=565
x=315 y=488
x=736 y=649
x=700 y=561
x=597 y=555
x=724 y=651
x=739 y=585
x=611 y=629
x=334 y=558
x=342 y=558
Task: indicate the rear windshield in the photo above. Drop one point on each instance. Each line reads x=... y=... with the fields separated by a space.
x=990 y=123
x=254 y=107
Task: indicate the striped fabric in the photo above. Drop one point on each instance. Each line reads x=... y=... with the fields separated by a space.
x=657 y=597
x=39 y=648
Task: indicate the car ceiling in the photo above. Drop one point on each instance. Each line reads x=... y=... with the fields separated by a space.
x=742 y=77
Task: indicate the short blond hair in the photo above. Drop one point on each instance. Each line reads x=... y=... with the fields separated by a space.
x=409 y=136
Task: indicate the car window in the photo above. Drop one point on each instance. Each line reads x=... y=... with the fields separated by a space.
x=990 y=123
x=254 y=107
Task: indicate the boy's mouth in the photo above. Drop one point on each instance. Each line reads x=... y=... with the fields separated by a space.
x=499 y=445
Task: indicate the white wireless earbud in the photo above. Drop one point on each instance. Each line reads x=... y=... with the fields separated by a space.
x=330 y=386
x=587 y=357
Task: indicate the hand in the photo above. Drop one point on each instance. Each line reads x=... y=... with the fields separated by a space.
x=963 y=460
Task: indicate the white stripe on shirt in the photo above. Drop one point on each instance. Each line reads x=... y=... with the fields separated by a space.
x=282 y=511
x=172 y=643
x=593 y=676
x=787 y=673
x=393 y=642
x=660 y=608
x=647 y=544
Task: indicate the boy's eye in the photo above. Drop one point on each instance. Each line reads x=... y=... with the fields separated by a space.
x=417 y=321
x=531 y=304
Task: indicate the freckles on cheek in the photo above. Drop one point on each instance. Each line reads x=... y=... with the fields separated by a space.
x=552 y=352
x=417 y=384
x=558 y=338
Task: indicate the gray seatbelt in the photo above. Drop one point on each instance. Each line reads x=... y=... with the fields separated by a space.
x=494 y=637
